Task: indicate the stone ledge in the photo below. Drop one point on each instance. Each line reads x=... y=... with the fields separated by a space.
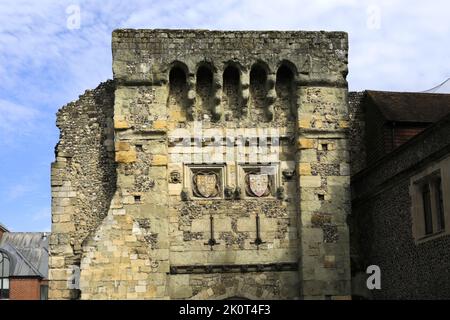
x=234 y=268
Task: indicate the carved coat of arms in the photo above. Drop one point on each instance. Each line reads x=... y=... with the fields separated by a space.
x=206 y=184
x=258 y=184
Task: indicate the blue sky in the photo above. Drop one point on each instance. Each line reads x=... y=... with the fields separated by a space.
x=46 y=61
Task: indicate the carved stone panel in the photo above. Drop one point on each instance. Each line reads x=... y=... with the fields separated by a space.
x=259 y=181
x=206 y=182
x=258 y=184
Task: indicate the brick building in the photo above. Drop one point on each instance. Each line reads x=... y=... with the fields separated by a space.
x=400 y=217
x=23 y=265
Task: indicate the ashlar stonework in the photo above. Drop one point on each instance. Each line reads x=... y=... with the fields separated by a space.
x=131 y=220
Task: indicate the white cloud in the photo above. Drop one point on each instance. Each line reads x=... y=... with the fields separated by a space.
x=43 y=214
x=44 y=65
x=16 y=119
x=408 y=52
x=34 y=37
x=17 y=191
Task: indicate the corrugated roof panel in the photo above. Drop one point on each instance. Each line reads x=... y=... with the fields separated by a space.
x=28 y=252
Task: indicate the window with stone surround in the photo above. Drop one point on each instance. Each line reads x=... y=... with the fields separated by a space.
x=430 y=202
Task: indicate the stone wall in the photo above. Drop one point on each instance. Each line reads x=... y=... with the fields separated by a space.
x=357 y=131
x=145 y=56
x=83 y=179
x=324 y=180
x=163 y=238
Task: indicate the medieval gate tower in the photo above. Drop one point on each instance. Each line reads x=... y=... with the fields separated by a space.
x=214 y=165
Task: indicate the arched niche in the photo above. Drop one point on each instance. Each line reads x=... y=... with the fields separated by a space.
x=178 y=103
x=205 y=89
x=286 y=91
x=232 y=92
x=258 y=92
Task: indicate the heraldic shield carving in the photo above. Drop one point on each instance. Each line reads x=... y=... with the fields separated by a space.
x=206 y=184
x=258 y=184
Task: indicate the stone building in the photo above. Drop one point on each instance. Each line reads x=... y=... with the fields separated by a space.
x=214 y=165
x=400 y=217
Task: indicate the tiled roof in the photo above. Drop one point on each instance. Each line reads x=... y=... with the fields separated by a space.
x=411 y=106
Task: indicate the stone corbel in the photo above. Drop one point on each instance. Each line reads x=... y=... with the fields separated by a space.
x=216 y=105
x=238 y=193
x=191 y=96
x=280 y=193
x=271 y=96
x=229 y=193
x=185 y=195
x=245 y=92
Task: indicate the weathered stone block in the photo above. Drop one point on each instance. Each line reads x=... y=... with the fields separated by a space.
x=159 y=160
x=310 y=181
x=160 y=125
x=126 y=156
x=122 y=146
x=200 y=225
x=246 y=224
x=121 y=124
x=304 y=168
x=329 y=262
x=305 y=143
x=64 y=227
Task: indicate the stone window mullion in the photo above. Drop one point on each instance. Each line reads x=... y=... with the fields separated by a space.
x=434 y=208
x=427 y=208
x=439 y=204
